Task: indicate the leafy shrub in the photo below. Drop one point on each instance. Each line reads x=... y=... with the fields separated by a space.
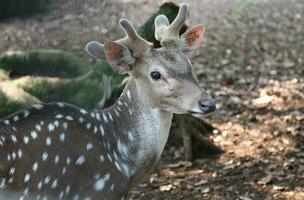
x=12 y=8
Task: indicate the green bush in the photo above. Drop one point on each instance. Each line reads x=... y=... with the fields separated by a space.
x=51 y=63
x=12 y=8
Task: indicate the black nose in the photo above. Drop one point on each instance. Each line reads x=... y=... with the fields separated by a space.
x=207 y=105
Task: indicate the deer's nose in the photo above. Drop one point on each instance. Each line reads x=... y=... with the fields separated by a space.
x=207 y=105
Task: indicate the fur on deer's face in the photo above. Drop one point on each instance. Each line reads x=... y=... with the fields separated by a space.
x=164 y=74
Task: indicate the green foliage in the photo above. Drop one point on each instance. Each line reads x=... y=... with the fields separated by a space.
x=12 y=8
x=13 y=99
x=43 y=63
x=50 y=75
x=242 y=7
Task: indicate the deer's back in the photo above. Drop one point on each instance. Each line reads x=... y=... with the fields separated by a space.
x=59 y=151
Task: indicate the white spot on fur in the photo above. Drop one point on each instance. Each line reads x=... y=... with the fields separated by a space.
x=38 y=127
x=54 y=184
x=38 y=106
x=88 y=125
x=65 y=125
x=47 y=180
x=26 y=139
x=80 y=160
x=39 y=185
x=56 y=123
x=56 y=160
x=109 y=157
x=51 y=127
x=129 y=94
x=67 y=189
x=100 y=183
x=48 y=141
x=101 y=130
x=104 y=117
x=69 y=117
x=93 y=115
x=122 y=148
x=81 y=119
x=14 y=139
x=130 y=112
x=35 y=167
x=63 y=171
x=45 y=156
x=116 y=112
x=110 y=116
x=95 y=129
x=26 y=113
x=68 y=160
x=62 y=137
x=131 y=136
x=83 y=111
x=20 y=153
x=61 y=194
x=2 y=183
x=34 y=135
x=101 y=158
x=12 y=171
x=14 y=155
x=98 y=116
x=89 y=146
x=27 y=178
x=58 y=116
x=112 y=187
x=16 y=118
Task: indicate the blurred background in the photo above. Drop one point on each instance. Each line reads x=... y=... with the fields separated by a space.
x=251 y=62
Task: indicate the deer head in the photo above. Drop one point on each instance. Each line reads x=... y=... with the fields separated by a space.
x=164 y=76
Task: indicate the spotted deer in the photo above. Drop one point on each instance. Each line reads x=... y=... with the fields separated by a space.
x=61 y=151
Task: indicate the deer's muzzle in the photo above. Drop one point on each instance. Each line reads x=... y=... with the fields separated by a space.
x=207 y=105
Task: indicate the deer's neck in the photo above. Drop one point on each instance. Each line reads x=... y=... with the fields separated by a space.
x=140 y=130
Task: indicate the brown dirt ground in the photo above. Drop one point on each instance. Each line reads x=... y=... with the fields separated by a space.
x=252 y=62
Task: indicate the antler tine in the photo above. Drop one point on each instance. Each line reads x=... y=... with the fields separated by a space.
x=179 y=21
x=161 y=23
x=128 y=28
x=133 y=41
x=165 y=31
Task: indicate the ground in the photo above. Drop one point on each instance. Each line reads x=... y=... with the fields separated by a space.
x=252 y=63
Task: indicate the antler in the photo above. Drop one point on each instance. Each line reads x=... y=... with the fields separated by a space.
x=133 y=41
x=164 y=31
x=136 y=44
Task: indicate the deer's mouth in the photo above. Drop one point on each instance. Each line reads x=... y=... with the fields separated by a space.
x=199 y=114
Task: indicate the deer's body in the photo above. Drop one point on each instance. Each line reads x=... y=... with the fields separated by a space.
x=65 y=150
x=60 y=151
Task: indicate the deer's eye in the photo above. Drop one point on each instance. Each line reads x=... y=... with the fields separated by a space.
x=155 y=75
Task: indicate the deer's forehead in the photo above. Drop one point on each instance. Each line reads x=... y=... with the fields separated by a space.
x=173 y=61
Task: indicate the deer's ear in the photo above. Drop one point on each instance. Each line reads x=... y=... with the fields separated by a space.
x=119 y=57
x=192 y=39
x=96 y=49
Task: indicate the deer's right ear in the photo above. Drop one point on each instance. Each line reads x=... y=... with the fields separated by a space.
x=192 y=39
x=96 y=49
x=119 y=57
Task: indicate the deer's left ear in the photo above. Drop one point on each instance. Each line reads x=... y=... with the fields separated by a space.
x=192 y=39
